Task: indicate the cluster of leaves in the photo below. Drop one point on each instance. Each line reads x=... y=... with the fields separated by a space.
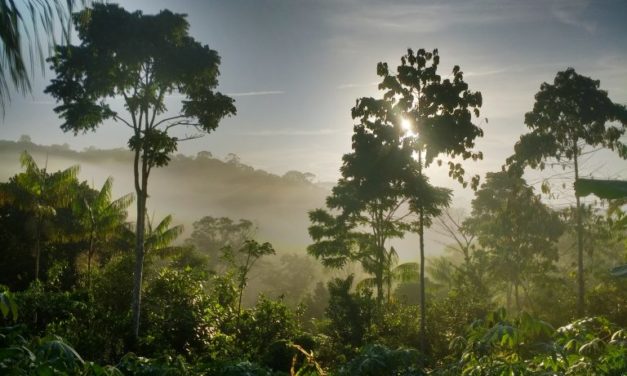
x=524 y=345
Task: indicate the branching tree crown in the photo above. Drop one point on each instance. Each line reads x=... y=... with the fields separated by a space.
x=439 y=111
x=567 y=115
x=141 y=59
x=518 y=231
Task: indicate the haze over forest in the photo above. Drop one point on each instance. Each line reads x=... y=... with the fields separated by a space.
x=192 y=187
x=313 y=188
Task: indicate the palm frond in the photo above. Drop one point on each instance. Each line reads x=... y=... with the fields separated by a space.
x=104 y=195
x=123 y=202
x=20 y=30
x=366 y=284
x=406 y=272
x=162 y=235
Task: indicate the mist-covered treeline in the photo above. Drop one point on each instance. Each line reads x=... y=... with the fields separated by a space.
x=94 y=281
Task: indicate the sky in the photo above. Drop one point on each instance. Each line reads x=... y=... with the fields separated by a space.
x=296 y=67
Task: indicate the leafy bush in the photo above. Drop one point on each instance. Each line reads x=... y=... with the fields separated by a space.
x=176 y=307
x=499 y=345
x=378 y=360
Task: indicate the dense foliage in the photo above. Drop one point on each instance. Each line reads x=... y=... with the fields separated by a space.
x=224 y=302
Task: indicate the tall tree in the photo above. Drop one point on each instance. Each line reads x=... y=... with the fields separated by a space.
x=568 y=116
x=373 y=196
x=437 y=116
x=517 y=230
x=140 y=58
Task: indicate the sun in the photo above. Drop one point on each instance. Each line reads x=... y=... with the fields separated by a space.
x=406 y=124
x=407 y=127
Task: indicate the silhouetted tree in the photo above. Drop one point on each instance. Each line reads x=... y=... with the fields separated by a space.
x=567 y=116
x=141 y=58
x=517 y=230
x=380 y=178
x=436 y=115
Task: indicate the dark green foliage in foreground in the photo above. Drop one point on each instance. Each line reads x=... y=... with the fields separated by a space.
x=494 y=345
x=378 y=360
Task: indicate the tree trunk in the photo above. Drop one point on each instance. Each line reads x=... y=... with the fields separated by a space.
x=516 y=297
x=141 y=185
x=581 y=309
x=90 y=254
x=389 y=288
x=380 y=291
x=423 y=308
x=37 y=250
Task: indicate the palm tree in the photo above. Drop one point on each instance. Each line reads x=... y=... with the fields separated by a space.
x=26 y=21
x=101 y=217
x=442 y=272
x=392 y=272
x=40 y=194
x=158 y=239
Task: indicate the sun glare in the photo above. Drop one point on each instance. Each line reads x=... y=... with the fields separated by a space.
x=406 y=125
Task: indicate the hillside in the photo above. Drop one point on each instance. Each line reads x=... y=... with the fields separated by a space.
x=193 y=187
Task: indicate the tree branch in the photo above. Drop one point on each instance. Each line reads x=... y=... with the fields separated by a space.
x=168 y=119
x=116 y=117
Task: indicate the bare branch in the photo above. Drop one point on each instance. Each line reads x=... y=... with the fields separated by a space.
x=116 y=118
x=192 y=137
x=183 y=122
x=168 y=119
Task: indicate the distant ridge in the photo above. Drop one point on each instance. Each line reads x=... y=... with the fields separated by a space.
x=193 y=187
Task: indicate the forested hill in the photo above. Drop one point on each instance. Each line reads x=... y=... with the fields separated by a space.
x=190 y=188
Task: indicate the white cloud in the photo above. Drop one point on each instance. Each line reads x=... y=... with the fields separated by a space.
x=571 y=12
x=353 y=86
x=421 y=17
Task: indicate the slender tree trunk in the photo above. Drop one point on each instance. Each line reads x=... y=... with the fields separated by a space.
x=423 y=307
x=141 y=185
x=380 y=293
x=239 y=302
x=380 y=256
x=516 y=297
x=423 y=310
x=239 y=312
x=90 y=254
x=37 y=249
x=581 y=309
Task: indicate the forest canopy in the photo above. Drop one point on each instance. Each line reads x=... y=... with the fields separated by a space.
x=207 y=266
